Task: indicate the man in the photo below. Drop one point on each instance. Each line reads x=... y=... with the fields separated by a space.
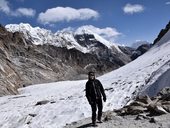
x=94 y=94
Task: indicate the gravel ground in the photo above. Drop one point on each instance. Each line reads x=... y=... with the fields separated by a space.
x=115 y=121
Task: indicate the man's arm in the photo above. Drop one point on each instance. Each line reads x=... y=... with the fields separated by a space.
x=88 y=93
x=102 y=91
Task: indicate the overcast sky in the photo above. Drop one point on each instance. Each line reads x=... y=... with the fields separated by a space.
x=120 y=21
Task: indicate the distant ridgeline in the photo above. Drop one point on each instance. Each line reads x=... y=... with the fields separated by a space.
x=162 y=33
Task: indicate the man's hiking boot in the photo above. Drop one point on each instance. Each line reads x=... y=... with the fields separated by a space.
x=99 y=121
x=94 y=124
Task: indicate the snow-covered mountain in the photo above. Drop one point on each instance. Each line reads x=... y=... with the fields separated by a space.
x=82 y=39
x=140 y=50
x=40 y=36
x=139 y=43
x=84 y=30
x=65 y=102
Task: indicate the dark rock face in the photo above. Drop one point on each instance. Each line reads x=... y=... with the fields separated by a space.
x=135 y=53
x=144 y=48
x=103 y=52
x=10 y=79
x=127 y=50
x=75 y=64
x=140 y=51
x=162 y=33
x=86 y=40
x=23 y=64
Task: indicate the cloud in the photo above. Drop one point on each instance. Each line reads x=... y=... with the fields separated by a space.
x=108 y=33
x=167 y=3
x=25 y=12
x=131 y=9
x=67 y=14
x=4 y=7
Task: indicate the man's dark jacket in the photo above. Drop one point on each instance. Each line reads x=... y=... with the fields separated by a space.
x=94 y=91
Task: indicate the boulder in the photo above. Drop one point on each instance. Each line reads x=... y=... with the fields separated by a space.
x=157 y=105
x=144 y=99
x=164 y=94
x=134 y=110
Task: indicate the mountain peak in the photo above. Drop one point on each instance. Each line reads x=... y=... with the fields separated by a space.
x=91 y=30
x=18 y=27
x=87 y=29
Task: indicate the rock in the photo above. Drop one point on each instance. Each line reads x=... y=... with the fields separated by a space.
x=32 y=115
x=162 y=33
x=137 y=103
x=144 y=99
x=152 y=120
x=43 y=102
x=131 y=110
x=156 y=109
x=165 y=102
x=108 y=115
x=166 y=107
x=134 y=110
x=141 y=116
x=158 y=105
x=121 y=111
x=164 y=94
x=138 y=117
x=160 y=110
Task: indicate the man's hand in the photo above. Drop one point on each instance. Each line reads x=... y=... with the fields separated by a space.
x=104 y=99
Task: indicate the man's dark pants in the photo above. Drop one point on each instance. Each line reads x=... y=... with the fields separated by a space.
x=97 y=104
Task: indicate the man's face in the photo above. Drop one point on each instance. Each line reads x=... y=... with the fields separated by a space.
x=92 y=76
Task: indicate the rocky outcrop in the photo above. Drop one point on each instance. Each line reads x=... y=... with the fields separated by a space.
x=134 y=53
x=157 y=105
x=10 y=80
x=162 y=33
x=140 y=51
x=127 y=50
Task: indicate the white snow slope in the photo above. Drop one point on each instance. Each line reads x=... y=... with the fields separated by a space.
x=67 y=99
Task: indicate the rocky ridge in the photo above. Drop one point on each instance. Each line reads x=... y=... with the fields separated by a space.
x=162 y=33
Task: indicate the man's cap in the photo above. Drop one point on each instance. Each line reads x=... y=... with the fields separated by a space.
x=91 y=73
